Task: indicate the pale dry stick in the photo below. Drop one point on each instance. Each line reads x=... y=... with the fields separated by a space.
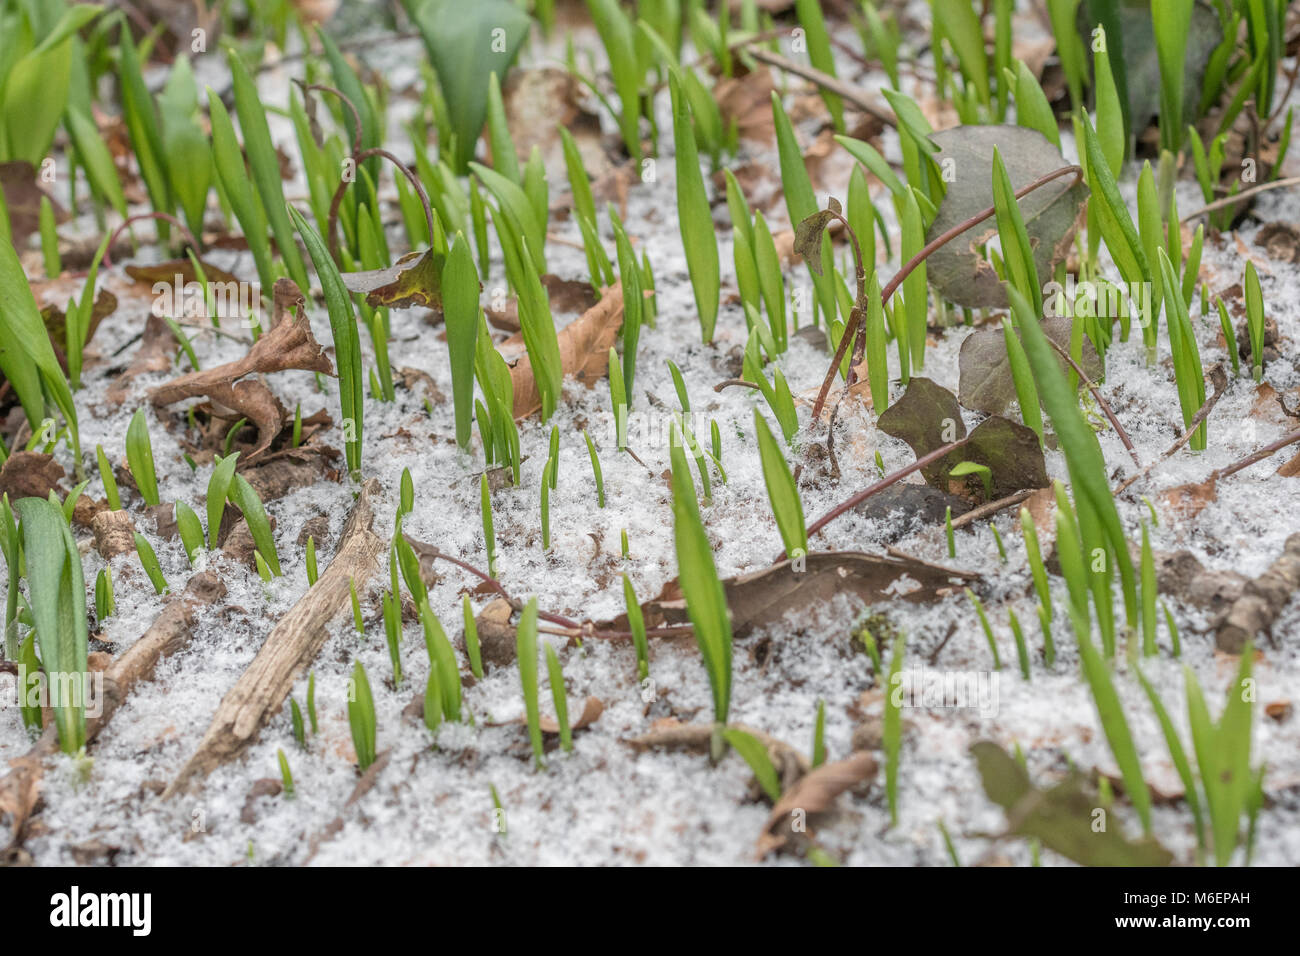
x=835 y=85
x=170 y=632
x=1105 y=405
x=1227 y=201
x=1220 y=382
x=990 y=508
x=292 y=644
x=1257 y=456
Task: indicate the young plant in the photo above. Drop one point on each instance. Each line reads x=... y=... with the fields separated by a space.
x=460 y=289
x=892 y=732
x=1022 y=649
x=755 y=754
x=104 y=605
x=347 y=342
x=489 y=534
x=1115 y=726
x=1222 y=750
x=1254 y=323
x=986 y=627
x=149 y=561
x=472 y=649
x=1102 y=532
x=28 y=360
x=636 y=624
x=243 y=497
x=556 y=675
x=189 y=529
x=595 y=470
x=706 y=602
x=781 y=492
x=57 y=602
x=526 y=653
x=442 y=658
x=286 y=776
x=696 y=222
x=361 y=717
x=312 y=574
x=1188 y=373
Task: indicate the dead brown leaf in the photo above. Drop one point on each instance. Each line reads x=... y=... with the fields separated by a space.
x=747 y=101
x=156 y=353
x=815 y=793
x=584 y=350
x=763 y=598
x=22 y=196
x=288 y=345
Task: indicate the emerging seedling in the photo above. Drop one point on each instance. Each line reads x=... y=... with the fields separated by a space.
x=526 y=653
x=361 y=717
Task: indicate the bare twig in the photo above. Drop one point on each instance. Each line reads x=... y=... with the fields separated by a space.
x=835 y=85
x=879 y=486
x=1227 y=201
x=1105 y=405
x=855 y=317
x=1220 y=383
x=991 y=507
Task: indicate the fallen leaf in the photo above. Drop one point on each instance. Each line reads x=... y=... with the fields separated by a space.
x=19 y=791
x=156 y=353
x=584 y=350
x=413 y=280
x=1062 y=817
x=814 y=793
x=22 y=198
x=288 y=345
x=764 y=598
x=746 y=100
x=984 y=382
x=592 y=708
x=1052 y=213
x=30 y=474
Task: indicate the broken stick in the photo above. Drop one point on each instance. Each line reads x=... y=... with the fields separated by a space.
x=292 y=644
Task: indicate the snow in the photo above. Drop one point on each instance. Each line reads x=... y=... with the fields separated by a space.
x=605 y=803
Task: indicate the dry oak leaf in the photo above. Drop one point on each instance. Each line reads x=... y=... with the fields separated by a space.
x=288 y=345
x=815 y=793
x=584 y=350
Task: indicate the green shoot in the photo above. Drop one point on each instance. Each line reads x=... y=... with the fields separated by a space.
x=755 y=754
x=139 y=456
x=361 y=717
x=526 y=653
x=149 y=561
x=556 y=675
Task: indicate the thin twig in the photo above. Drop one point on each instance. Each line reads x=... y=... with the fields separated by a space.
x=1244 y=194
x=855 y=317
x=1256 y=457
x=1220 y=383
x=835 y=85
x=879 y=486
x=139 y=217
x=1105 y=405
x=991 y=507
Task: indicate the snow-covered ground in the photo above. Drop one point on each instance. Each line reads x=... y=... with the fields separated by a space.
x=604 y=802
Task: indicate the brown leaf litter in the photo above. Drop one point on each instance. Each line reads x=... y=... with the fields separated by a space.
x=584 y=350
x=288 y=345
